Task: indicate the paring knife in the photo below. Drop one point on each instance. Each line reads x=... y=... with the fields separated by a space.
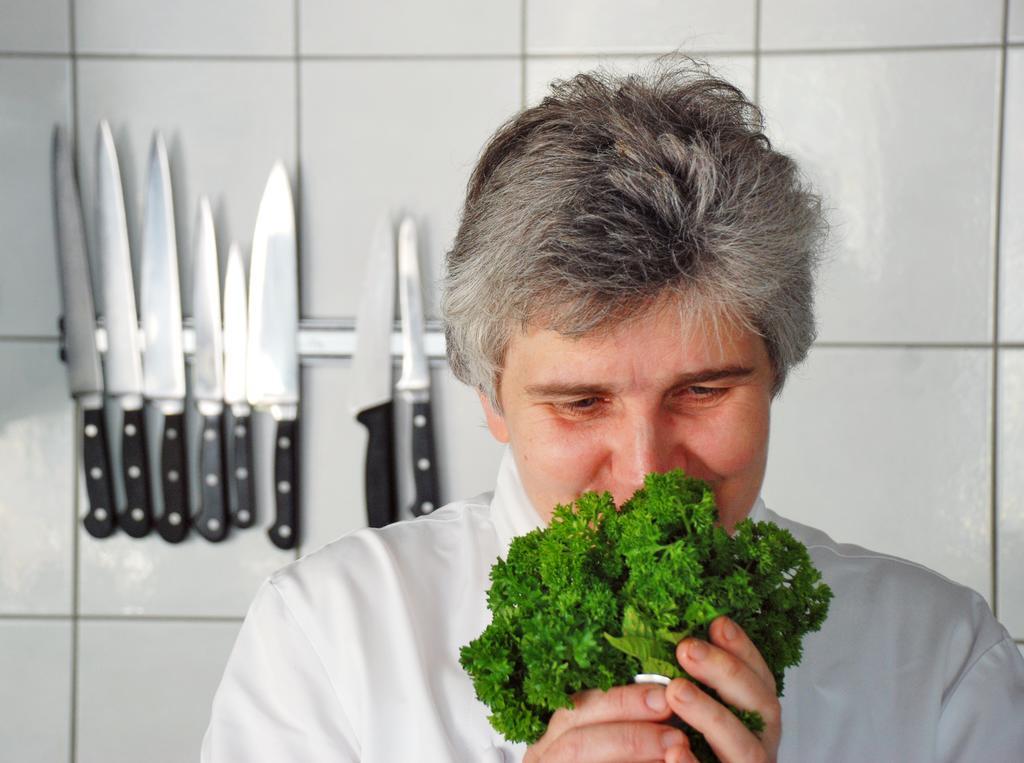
x=123 y=361
x=241 y=504
x=78 y=328
x=414 y=383
x=272 y=377
x=208 y=377
x=370 y=400
x=163 y=357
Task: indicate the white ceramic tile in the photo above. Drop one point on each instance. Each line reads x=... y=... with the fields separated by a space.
x=890 y=449
x=37 y=445
x=837 y=23
x=39 y=26
x=408 y=27
x=1011 y=253
x=908 y=183
x=35 y=689
x=584 y=26
x=335 y=448
x=1010 y=482
x=145 y=688
x=225 y=123
x=1015 y=26
x=34 y=96
x=226 y=27
x=540 y=72
x=387 y=135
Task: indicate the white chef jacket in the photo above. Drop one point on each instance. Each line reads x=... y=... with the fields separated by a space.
x=351 y=654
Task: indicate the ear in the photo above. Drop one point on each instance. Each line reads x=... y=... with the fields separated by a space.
x=495 y=420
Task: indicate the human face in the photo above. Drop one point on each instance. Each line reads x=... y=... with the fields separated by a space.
x=600 y=412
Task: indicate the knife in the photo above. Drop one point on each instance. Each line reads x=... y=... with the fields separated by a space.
x=163 y=357
x=241 y=506
x=414 y=384
x=272 y=375
x=123 y=361
x=370 y=400
x=208 y=377
x=78 y=331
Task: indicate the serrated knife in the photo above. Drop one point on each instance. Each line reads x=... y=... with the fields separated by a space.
x=78 y=328
x=163 y=360
x=208 y=377
x=371 y=398
x=414 y=382
x=272 y=377
x=123 y=365
x=241 y=504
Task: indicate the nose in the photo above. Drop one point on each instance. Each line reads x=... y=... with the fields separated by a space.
x=644 y=445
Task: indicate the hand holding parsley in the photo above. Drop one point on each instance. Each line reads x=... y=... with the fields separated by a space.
x=602 y=594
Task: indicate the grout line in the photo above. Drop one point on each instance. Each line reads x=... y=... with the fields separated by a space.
x=857 y=49
x=115 y=618
x=757 y=51
x=522 y=53
x=34 y=339
x=997 y=251
x=853 y=345
x=298 y=225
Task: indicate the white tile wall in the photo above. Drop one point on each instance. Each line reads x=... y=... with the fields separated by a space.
x=408 y=27
x=145 y=688
x=410 y=149
x=909 y=183
x=185 y=27
x=891 y=449
x=607 y=26
x=1010 y=486
x=37 y=448
x=384 y=106
x=35 y=689
x=36 y=95
x=1011 y=260
x=870 y=23
x=36 y=26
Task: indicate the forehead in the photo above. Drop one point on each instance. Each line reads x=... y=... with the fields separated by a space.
x=658 y=343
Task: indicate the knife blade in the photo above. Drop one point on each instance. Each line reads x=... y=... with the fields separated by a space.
x=163 y=356
x=241 y=505
x=78 y=328
x=208 y=377
x=272 y=375
x=414 y=382
x=370 y=400
x=123 y=364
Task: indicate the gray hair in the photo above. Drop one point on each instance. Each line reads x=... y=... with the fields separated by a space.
x=617 y=192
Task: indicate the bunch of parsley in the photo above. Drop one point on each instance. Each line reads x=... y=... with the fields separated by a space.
x=604 y=593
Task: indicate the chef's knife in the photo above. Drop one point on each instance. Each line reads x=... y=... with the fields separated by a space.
x=123 y=361
x=272 y=378
x=370 y=400
x=241 y=505
x=208 y=377
x=414 y=383
x=163 y=357
x=78 y=329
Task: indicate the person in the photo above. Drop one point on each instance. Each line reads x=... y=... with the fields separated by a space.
x=631 y=282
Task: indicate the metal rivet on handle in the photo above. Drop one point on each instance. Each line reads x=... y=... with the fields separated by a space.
x=284 y=443
x=284 y=487
x=129 y=429
x=426 y=507
x=239 y=430
x=174 y=518
x=172 y=476
x=100 y=514
x=213 y=525
x=419 y=420
x=210 y=435
x=95 y=472
x=171 y=433
x=138 y=515
x=134 y=472
x=91 y=430
x=284 y=531
x=242 y=473
x=211 y=480
x=423 y=464
x=243 y=516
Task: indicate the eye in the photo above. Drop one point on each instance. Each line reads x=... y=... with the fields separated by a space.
x=579 y=407
x=701 y=394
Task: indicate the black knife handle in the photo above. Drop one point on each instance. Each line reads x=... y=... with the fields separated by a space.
x=241 y=505
x=99 y=521
x=285 y=531
x=211 y=522
x=424 y=467
x=173 y=524
x=379 y=483
x=137 y=517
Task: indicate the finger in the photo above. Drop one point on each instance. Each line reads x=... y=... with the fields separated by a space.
x=726 y=734
x=734 y=680
x=619 y=741
x=728 y=635
x=680 y=754
x=636 y=702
